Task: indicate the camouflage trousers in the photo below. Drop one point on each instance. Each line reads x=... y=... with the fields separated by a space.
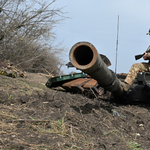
x=135 y=69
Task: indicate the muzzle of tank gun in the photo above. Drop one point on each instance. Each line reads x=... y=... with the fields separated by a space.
x=84 y=56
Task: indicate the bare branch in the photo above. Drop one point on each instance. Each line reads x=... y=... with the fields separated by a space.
x=26 y=31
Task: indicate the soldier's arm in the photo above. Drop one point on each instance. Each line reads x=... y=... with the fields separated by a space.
x=146 y=56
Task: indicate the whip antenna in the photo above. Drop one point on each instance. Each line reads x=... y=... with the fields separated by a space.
x=117 y=44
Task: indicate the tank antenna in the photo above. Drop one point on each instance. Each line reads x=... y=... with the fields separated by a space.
x=117 y=44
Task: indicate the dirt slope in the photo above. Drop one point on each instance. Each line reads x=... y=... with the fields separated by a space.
x=33 y=117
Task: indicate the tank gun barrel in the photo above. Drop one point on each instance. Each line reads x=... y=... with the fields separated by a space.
x=84 y=56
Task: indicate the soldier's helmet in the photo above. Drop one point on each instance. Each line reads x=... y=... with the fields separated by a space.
x=148 y=32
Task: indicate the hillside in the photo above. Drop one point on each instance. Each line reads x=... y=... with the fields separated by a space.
x=34 y=117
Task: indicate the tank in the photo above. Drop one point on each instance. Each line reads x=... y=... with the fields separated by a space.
x=97 y=80
x=85 y=57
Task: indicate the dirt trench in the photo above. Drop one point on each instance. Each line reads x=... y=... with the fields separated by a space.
x=34 y=117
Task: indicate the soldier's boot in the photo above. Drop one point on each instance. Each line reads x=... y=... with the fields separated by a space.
x=125 y=86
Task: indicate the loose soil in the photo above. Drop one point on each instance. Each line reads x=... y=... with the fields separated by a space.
x=34 y=117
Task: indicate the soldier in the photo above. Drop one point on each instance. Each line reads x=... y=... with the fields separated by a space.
x=135 y=69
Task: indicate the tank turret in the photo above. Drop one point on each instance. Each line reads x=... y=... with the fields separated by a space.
x=84 y=56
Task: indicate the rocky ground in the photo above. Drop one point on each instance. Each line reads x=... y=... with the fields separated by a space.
x=34 y=117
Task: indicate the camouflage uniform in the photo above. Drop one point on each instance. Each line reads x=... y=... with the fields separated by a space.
x=135 y=69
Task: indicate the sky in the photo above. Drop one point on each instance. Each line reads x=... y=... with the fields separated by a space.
x=95 y=21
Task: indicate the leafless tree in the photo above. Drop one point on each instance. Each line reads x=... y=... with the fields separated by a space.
x=26 y=34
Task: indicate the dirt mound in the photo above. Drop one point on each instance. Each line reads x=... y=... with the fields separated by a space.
x=35 y=117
